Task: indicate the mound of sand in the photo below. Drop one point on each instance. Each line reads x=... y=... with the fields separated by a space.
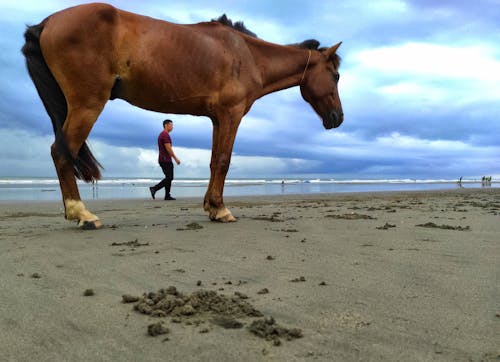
x=208 y=304
x=171 y=302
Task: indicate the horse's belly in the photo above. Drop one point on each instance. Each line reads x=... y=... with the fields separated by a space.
x=163 y=103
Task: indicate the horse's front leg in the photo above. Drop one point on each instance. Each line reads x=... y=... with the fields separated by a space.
x=222 y=147
x=215 y=139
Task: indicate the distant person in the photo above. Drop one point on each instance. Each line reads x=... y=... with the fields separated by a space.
x=459 y=182
x=165 y=156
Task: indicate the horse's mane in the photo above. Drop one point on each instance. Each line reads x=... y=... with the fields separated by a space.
x=239 y=26
x=311 y=44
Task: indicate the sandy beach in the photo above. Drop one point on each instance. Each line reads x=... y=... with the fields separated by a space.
x=410 y=276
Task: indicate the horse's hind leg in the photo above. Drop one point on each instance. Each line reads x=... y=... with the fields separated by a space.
x=77 y=126
x=79 y=50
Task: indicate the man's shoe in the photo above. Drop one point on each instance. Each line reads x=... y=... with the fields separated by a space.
x=153 y=192
x=169 y=198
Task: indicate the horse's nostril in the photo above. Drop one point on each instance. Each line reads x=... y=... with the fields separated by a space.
x=336 y=118
x=335 y=115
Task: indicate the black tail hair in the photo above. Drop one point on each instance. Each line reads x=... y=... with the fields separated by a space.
x=86 y=167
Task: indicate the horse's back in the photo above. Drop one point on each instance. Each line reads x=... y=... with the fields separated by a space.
x=160 y=66
x=128 y=39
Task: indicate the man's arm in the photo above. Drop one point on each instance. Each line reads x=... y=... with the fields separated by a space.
x=168 y=147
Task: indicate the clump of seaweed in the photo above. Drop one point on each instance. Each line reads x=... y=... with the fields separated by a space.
x=445 y=227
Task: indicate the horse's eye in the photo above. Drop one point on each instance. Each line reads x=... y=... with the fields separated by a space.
x=336 y=77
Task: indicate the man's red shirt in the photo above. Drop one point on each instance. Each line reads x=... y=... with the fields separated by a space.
x=163 y=155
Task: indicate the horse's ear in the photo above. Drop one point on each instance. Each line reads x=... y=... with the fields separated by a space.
x=331 y=52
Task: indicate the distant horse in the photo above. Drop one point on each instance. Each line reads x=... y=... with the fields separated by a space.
x=81 y=57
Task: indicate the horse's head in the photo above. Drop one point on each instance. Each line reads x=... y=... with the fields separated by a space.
x=319 y=87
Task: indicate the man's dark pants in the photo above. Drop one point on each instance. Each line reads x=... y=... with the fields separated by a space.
x=168 y=171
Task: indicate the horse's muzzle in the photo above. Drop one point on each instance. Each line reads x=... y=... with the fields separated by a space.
x=333 y=120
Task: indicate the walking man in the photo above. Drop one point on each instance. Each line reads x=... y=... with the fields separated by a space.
x=165 y=156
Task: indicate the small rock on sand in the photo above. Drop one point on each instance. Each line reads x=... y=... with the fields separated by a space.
x=268 y=329
x=241 y=295
x=127 y=298
x=157 y=329
x=88 y=292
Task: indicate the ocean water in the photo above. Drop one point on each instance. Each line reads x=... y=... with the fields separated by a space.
x=43 y=189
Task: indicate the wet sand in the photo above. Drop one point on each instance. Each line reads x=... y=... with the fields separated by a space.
x=410 y=276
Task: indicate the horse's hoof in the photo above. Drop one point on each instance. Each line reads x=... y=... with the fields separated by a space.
x=227 y=218
x=91 y=225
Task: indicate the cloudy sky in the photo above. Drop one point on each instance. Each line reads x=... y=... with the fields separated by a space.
x=420 y=86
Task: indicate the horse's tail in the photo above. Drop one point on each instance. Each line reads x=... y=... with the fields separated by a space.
x=86 y=167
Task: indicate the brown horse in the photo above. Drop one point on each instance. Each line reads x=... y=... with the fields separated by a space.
x=81 y=57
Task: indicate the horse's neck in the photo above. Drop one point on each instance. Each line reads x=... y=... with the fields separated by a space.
x=281 y=67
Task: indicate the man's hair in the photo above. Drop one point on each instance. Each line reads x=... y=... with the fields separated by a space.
x=167 y=121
